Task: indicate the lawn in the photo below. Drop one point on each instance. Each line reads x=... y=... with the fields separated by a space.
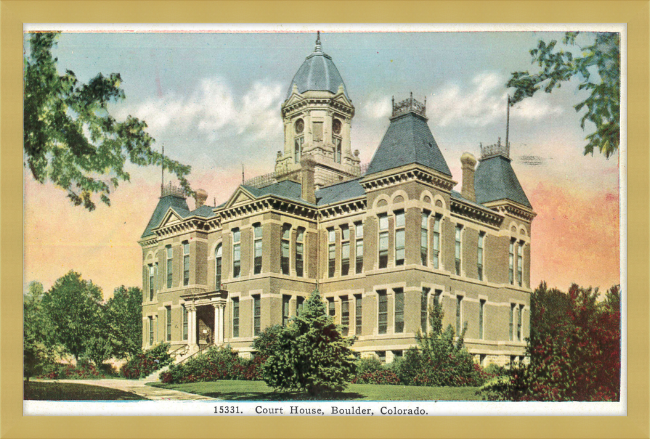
x=259 y=391
x=45 y=391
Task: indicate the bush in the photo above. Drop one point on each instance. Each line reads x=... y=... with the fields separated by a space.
x=377 y=377
x=574 y=350
x=145 y=363
x=368 y=365
x=215 y=364
x=83 y=370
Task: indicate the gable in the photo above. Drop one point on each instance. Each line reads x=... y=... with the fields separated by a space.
x=240 y=196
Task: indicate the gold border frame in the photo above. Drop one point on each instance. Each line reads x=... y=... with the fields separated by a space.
x=14 y=13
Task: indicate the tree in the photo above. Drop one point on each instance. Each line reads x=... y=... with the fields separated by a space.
x=599 y=70
x=124 y=321
x=69 y=136
x=576 y=359
x=309 y=353
x=39 y=347
x=74 y=307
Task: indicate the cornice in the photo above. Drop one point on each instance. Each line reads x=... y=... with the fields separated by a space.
x=416 y=172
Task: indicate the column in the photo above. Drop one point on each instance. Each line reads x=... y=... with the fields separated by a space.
x=191 y=326
x=217 y=326
x=222 y=307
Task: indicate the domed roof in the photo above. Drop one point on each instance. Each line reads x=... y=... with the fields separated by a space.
x=317 y=73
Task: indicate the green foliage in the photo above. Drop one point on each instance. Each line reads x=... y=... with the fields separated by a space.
x=124 y=321
x=575 y=359
x=39 y=347
x=71 y=139
x=368 y=365
x=215 y=364
x=144 y=363
x=73 y=308
x=81 y=371
x=264 y=344
x=599 y=70
x=310 y=354
x=98 y=350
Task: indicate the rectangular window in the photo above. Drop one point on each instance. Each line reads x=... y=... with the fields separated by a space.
x=298 y=149
x=331 y=252
x=358 y=230
x=520 y=265
x=399 y=310
x=479 y=258
x=300 y=301
x=459 y=314
x=284 y=256
x=186 y=263
x=257 y=315
x=236 y=253
x=481 y=318
x=168 y=313
x=235 y=316
x=520 y=333
x=382 y=318
x=383 y=241
x=285 y=309
x=151 y=281
x=217 y=267
x=300 y=251
x=337 y=150
x=150 y=331
x=345 y=316
x=457 y=248
x=185 y=323
x=511 y=263
x=424 y=238
x=331 y=307
x=424 y=309
x=169 y=266
x=512 y=321
x=317 y=131
x=345 y=250
x=436 y=242
x=257 y=244
x=358 y=314
x=400 y=238
x=382 y=356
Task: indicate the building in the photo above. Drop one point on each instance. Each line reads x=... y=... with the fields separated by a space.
x=380 y=246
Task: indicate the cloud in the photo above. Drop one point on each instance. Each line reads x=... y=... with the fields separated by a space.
x=378 y=108
x=482 y=102
x=213 y=109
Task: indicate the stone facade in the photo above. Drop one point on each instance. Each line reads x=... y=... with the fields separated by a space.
x=380 y=247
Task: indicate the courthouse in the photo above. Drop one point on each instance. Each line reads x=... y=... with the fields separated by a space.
x=380 y=242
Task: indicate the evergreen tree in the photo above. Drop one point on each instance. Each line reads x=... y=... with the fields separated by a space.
x=124 y=321
x=310 y=354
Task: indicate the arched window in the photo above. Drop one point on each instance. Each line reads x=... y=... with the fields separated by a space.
x=217 y=265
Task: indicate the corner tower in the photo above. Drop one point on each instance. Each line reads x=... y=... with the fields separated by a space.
x=317 y=116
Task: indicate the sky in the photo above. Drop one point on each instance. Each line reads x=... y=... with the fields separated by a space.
x=213 y=100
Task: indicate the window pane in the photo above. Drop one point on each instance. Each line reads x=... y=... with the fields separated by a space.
x=399 y=310
x=331 y=307
x=359 y=230
x=257 y=314
x=331 y=260
x=481 y=316
x=285 y=309
x=459 y=305
x=382 y=319
x=345 y=233
x=345 y=259
x=185 y=324
x=235 y=317
x=424 y=309
x=299 y=259
x=345 y=316
x=399 y=218
x=383 y=222
x=358 y=314
x=331 y=235
x=235 y=235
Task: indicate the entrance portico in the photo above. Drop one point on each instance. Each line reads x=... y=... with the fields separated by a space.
x=206 y=311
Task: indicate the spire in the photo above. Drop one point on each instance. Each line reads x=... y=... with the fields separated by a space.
x=318 y=46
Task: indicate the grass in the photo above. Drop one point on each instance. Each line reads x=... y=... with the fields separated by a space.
x=259 y=391
x=45 y=391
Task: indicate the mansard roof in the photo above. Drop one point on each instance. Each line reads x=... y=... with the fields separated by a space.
x=496 y=180
x=408 y=140
x=179 y=206
x=340 y=192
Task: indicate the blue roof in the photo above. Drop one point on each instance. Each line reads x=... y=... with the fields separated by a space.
x=203 y=211
x=496 y=180
x=284 y=189
x=340 y=192
x=177 y=203
x=408 y=140
x=319 y=73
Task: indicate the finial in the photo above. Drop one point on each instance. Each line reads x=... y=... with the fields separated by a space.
x=318 y=46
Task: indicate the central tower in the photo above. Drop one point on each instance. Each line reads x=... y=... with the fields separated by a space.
x=317 y=116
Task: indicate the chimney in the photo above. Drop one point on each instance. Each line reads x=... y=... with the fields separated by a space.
x=468 y=161
x=308 y=192
x=200 y=197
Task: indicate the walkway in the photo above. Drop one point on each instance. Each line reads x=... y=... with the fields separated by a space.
x=140 y=388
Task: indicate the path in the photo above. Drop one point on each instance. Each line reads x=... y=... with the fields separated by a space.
x=140 y=388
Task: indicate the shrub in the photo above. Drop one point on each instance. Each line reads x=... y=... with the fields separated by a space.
x=310 y=354
x=368 y=365
x=215 y=364
x=83 y=370
x=380 y=376
x=143 y=364
x=574 y=357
